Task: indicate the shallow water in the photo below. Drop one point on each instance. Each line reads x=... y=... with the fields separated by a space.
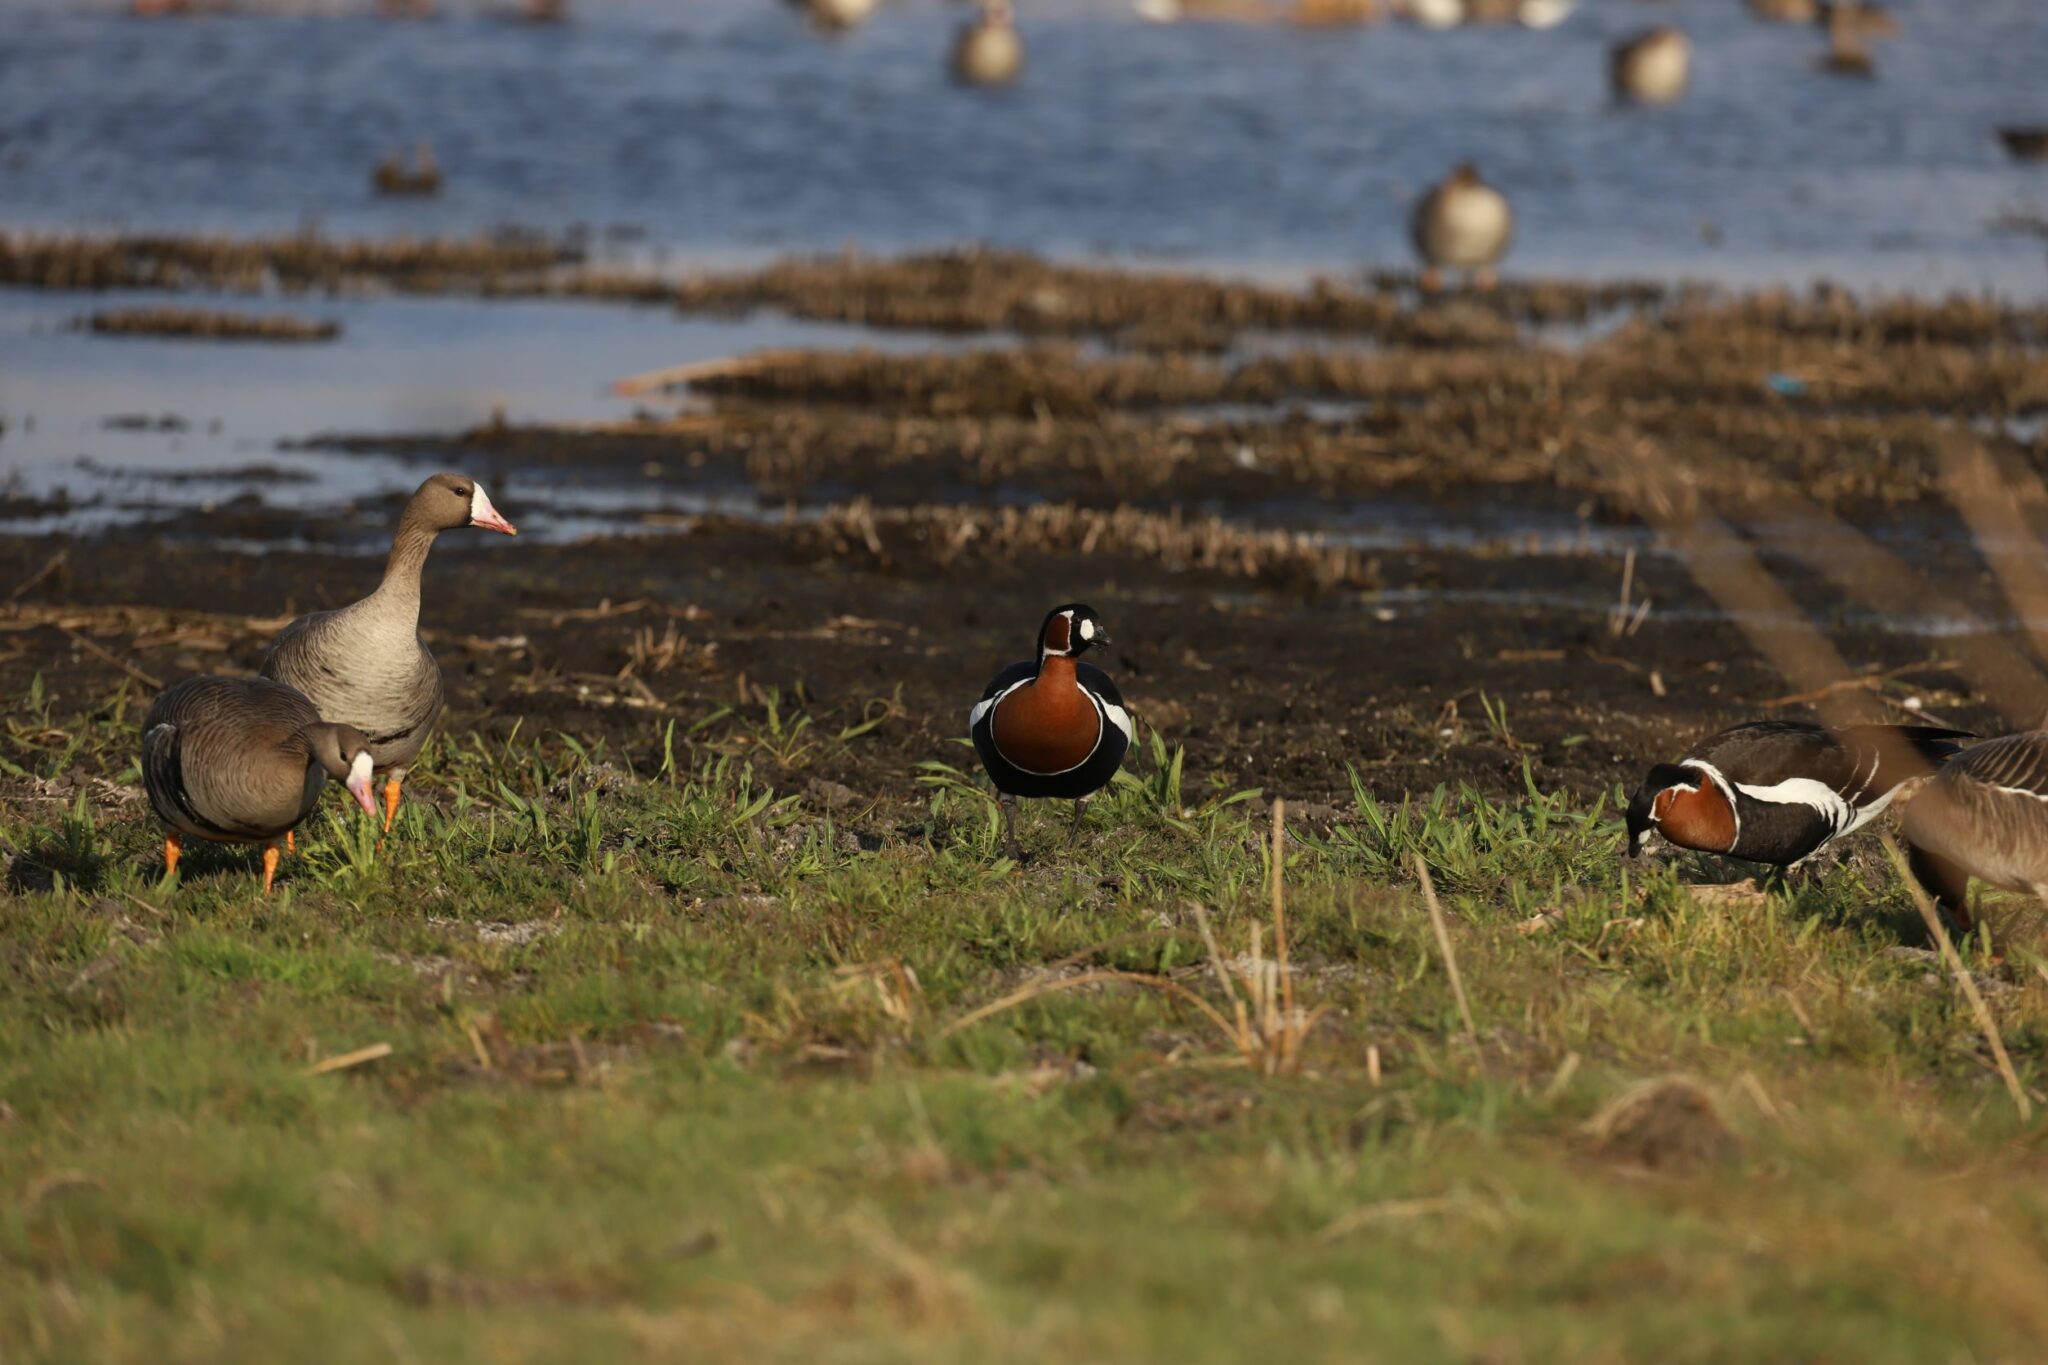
x=722 y=128
x=403 y=365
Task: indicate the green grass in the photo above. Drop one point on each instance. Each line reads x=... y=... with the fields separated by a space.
x=675 y=1072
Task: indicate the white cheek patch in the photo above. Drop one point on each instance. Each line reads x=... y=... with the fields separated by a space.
x=479 y=505
x=1087 y=630
x=359 y=771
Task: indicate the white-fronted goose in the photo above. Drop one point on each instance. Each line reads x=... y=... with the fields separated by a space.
x=365 y=664
x=1984 y=814
x=1779 y=791
x=242 y=761
x=1463 y=223
x=1652 y=68
x=988 y=51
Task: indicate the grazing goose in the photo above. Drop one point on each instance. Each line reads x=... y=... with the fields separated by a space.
x=1463 y=223
x=1051 y=726
x=242 y=761
x=989 y=52
x=1779 y=791
x=1652 y=68
x=365 y=663
x=1984 y=814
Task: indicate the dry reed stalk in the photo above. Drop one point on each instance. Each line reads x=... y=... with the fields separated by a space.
x=1993 y=509
x=1280 y=903
x=347 y=1060
x=1859 y=567
x=1964 y=981
x=1443 y=943
x=1263 y=1026
x=1730 y=572
x=1032 y=990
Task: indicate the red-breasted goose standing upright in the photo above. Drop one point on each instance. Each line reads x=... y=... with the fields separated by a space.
x=1778 y=791
x=1052 y=726
x=1984 y=814
x=365 y=664
x=242 y=761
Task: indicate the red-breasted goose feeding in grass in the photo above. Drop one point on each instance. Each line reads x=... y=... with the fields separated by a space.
x=242 y=761
x=1778 y=791
x=365 y=664
x=1984 y=814
x=1052 y=726
x=1463 y=223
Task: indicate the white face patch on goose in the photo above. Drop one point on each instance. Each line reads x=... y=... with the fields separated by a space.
x=481 y=513
x=1087 y=629
x=359 y=771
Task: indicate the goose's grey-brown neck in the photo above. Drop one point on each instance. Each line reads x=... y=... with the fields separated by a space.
x=401 y=585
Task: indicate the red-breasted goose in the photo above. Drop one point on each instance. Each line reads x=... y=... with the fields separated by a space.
x=1052 y=726
x=365 y=664
x=242 y=761
x=1779 y=791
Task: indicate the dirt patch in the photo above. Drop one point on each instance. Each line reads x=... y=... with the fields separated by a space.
x=1669 y=1125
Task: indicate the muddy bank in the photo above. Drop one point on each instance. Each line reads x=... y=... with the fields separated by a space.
x=1546 y=446
x=614 y=639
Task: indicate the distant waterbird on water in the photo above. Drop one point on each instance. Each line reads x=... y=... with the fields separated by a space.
x=989 y=51
x=1652 y=68
x=1462 y=223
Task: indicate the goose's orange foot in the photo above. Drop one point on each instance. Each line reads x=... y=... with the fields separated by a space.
x=171 y=851
x=390 y=803
x=270 y=856
x=291 y=841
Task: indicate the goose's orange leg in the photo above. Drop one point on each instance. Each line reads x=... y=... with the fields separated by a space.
x=171 y=851
x=270 y=856
x=291 y=841
x=390 y=802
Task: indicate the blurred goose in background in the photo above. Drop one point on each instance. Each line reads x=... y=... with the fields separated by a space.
x=1544 y=13
x=836 y=16
x=242 y=761
x=1463 y=223
x=1652 y=68
x=1983 y=814
x=366 y=664
x=1846 y=56
x=1437 y=14
x=394 y=176
x=1334 y=13
x=1785 y=11
x=2025 y=143
x=1858 y=20
x=988 y=50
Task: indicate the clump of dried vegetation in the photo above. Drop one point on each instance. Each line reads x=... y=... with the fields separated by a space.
x=211 y=325
x=948 y=534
